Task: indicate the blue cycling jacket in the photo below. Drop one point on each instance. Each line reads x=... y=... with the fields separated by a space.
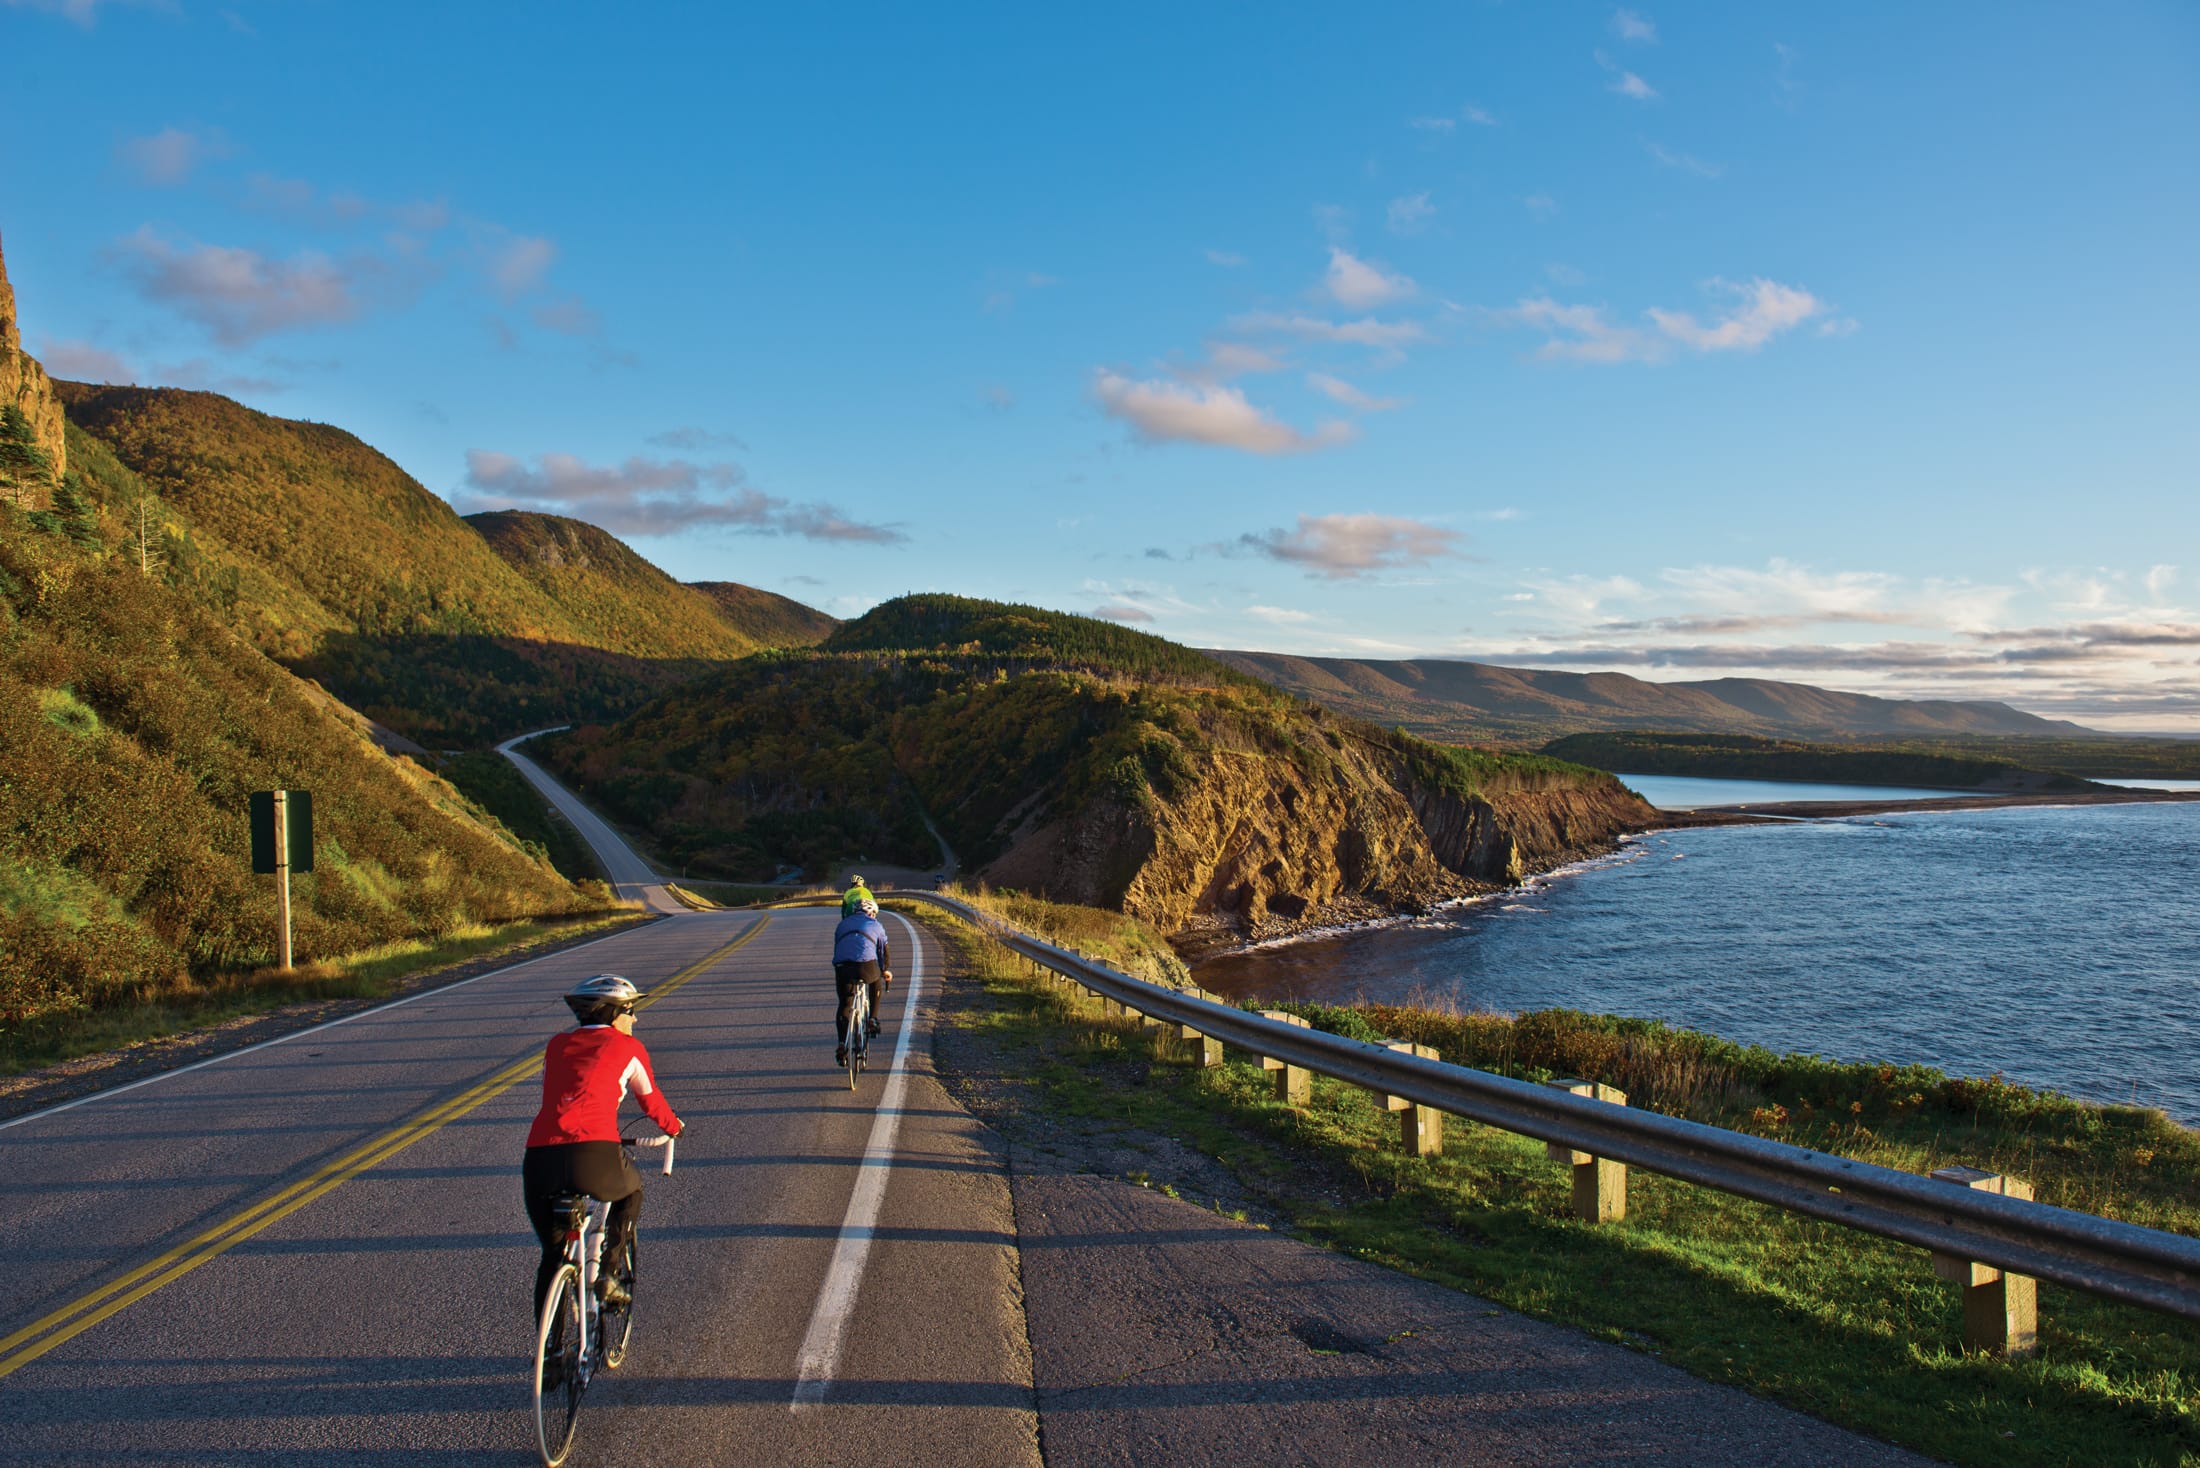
x=859 y=939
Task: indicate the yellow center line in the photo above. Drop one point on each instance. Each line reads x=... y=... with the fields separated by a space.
x=47 y=1332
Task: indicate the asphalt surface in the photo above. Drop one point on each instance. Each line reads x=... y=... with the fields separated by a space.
x=633 y=878
x=313 y=1251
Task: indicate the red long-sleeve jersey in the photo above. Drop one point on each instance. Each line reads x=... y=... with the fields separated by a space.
x=586 y=1073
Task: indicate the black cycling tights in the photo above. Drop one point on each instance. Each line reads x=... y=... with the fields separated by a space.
x=594 y=1169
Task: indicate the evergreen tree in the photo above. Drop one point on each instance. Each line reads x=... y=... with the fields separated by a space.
x=74 y=513
x=24 y=466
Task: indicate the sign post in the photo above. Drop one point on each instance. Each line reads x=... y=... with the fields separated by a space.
x=282 y=842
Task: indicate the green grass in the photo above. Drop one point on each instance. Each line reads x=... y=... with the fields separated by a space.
x=1839 y=1324
x=373 y=973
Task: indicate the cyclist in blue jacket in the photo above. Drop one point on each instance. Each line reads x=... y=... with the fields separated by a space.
x=861 y=955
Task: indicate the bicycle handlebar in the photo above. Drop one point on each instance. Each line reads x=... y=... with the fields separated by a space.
x=668 y=1143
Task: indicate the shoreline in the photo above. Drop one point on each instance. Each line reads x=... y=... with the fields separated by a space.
x=1806 y=810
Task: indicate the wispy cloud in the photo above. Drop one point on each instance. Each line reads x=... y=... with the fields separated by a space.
x=1433 y=124
x=516 y=263
x=1208 y=413
x=1348 y=547
x=1366 y=332
x=1625 y=82
x=1759 y=310
x=1685 y=162
x=1359 y=284
x=1228 y=260
x=82 y=361
x=1542 y=206
x=241 y=295
x=1280 y=616
x=1629 y=26
x=644 y=496
x=691 y=438
x=1763 y=309
x=169 y=157
x=1410 y=213
x=84 y=12
x=1477 y=116
x=1337 y=390
x=1122 y=612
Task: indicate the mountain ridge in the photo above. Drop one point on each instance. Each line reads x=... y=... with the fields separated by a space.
x=1456 y=699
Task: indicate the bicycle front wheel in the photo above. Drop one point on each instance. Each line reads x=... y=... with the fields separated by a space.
x=557 y=1377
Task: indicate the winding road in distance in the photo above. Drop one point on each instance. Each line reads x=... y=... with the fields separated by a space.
x=312 y=1251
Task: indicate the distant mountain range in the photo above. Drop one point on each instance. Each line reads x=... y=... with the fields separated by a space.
x=1480 y=703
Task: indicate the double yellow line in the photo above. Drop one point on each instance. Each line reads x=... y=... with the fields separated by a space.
x=81 y=1314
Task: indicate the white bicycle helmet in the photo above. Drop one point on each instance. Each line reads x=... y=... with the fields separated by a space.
x=867 y=907
x=599 y=991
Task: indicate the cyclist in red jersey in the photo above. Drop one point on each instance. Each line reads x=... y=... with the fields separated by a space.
x=573 y=1146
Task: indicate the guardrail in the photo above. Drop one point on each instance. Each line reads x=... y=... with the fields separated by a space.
x=1993 y=1243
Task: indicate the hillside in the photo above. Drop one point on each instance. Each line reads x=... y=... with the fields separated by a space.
x=326 y=555
x=1074 y=758
x=767 y=618
x=1740 y=756
x=134 y=726
x=1440 y=698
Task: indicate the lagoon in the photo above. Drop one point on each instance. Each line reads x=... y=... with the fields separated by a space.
x=1696 y=792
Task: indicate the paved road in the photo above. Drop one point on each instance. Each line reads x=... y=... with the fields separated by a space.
x=634 y=879
x=313 y=1252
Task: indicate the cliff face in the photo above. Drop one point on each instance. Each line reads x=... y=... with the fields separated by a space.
x=25 y=384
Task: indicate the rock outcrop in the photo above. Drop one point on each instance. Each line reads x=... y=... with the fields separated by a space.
x=24 y=383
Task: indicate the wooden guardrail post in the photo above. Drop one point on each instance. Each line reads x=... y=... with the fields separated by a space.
x=2001 y=1311
x=1420 y=1128
x=1294 y=1083
x=1600 y=1184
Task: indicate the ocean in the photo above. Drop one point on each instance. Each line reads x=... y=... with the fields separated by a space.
x=2056 y=946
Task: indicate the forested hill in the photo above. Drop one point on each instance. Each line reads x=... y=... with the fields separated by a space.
x=327 y=556
x=1012 y=632
x=1740 y=756
x=771 y=619
x=1073 y=757
x=1444 y=699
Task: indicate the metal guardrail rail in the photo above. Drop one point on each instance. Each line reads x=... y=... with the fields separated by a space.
x=2120 y=1261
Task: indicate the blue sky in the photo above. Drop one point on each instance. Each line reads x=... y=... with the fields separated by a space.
x=1858 y=345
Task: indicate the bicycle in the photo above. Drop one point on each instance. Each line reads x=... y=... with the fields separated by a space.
x=575 y=1334
x=857 y=1039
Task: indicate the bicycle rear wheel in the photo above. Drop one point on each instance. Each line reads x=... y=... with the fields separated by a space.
x=859 y=1015
x=614 y=1326
x=557 y=1378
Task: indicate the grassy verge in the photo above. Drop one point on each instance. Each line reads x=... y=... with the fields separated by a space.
x=372 y=974
x=744 y=894
x=495 y=784
x=1842 y=1325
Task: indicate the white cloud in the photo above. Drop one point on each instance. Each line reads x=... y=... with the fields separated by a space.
x=1410 y=213
x=1280 y=616
x=1581 y=333
x=1478 y=117
x=1122 y=612
x=1765 y=309
x=1686 y=162
x=82 y=361
x=1629 y=26
x=1226 y=360
x=1542 y=206
x=1563 y=274
x=1359 y=284
x=1346 y=547
x=1762 y=309
x=83 y=12
x=1225 y=259
x=1173 y=412
x=1625 y=82
x=517 y=263
x=169 y=156
x=241 y=295
x=1366 y=332
x=1336 y=389
x=2159 y=580
x=645 y=496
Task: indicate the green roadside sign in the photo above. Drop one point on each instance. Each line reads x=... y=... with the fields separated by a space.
x=267 y=855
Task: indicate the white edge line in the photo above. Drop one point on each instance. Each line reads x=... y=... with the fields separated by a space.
x=169 y=1075
x=836 y=1299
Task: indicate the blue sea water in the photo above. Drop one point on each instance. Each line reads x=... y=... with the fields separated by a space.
x=2058 y=947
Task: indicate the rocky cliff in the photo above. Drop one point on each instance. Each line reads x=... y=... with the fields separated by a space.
x=24 y=384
